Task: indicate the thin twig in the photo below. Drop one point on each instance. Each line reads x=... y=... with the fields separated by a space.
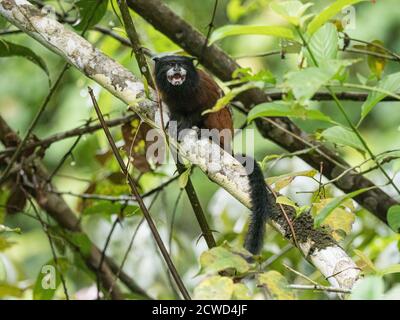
x=76 y=132
x=103 y=254
x=277 y=256
x=128 y=250
x=171 y=227
x=210 y=28
x=301 y=275
x=135 y=43
x=318 y=288
x=52 y=248
x=143 y=207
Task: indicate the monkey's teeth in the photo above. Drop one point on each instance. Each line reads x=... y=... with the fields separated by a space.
x=176 y=79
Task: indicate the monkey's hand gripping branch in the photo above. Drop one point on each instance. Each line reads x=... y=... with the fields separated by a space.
x=319 y=248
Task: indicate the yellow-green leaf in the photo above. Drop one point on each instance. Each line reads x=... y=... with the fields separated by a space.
x=5 y=244
x=365 y=263
x=276 y=285
x=184 y=177
x=214 y=288
x=328 y=209
x=340 y=221
x=280 y=184
x=286 y=201
x=219 y=259
x=228 y=97
x=275 y=109
x=328 y=13
x=376 y=64
x=240 y=292
x=7 y=291
x=291 y=11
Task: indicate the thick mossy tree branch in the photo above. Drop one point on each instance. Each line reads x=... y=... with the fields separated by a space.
x=280 y=130
x=316 y=245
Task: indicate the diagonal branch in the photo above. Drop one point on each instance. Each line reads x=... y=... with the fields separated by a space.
x=316 y=245
x=135 y=191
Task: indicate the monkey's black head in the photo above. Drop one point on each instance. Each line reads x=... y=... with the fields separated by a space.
x=174 y=73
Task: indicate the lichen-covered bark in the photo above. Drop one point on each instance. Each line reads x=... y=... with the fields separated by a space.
x=316 y=245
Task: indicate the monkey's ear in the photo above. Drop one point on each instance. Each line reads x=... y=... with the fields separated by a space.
x=155 y=59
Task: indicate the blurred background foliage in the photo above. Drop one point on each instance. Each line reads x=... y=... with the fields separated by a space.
x=23 y=86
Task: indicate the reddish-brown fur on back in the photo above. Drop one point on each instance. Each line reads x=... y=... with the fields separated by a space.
x=209 y=93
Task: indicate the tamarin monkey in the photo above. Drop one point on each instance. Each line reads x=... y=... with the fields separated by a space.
x=189 y=91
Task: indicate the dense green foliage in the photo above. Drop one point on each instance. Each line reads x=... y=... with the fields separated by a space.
x=316 y=61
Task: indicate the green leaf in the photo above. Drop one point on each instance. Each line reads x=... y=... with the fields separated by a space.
x=291 y=11
x=276 y=284
x=48 y=279
x=7 y=290
x=80 y=240
x=369 y=288
x=327 y=210
x=246 y=75
x=214 y=288
x=390 y=83
x=236 y=30
x=393 y=217
x=219 y=259
x=3 y=22
x=305 y=83
x=8 y=49
x=306 y=173
x=108 y=208
x=276 y=109
x=328 y=13
x=88 y=18
x=324 y=43
x=342 y=136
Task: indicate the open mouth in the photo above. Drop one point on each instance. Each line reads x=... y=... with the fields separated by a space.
x=176 y=79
